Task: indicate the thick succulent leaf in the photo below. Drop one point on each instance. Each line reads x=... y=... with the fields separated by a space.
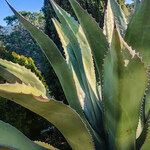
x=71 y=60
x=11 y=138
x=79 y=45
x=15 y=73
x=138 y=31
x=62 y=116
x=23 y=88
x=120 y=19
x=73 y=55
x=45 y=145
x=8 y=76
x=122 y=99
x=109 y=22
x=95 y=37
x=57 y=61
x=82 y=51
x=64 y=41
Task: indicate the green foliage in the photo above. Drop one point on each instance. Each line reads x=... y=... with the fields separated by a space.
x=36 y=18
x=108 y=109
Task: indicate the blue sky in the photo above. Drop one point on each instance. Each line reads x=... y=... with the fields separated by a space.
x=128 y=1
x=28 y=5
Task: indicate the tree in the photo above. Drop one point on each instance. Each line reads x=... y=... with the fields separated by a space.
x=35 y=18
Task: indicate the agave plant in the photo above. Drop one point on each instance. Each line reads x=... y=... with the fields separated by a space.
x=104 y=76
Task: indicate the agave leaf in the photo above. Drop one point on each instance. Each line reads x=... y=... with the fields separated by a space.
x=71 y=60
x=108 y=22
x=138 y=31
x=57 y=61
x=8 y=76
x=120 y=19
x=79 y=45
x=45 y=145
x=11 y=138
x=94 y=35
x=15 y=73
x=122 y=99
x=62 y=116
x=64 y=41
x=82 y=51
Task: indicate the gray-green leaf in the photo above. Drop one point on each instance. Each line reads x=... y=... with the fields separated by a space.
x=124 y=86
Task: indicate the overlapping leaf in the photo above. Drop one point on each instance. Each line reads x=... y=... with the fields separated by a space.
x=124 y=87
x=84 y=67
x=120 y=19
x=93 y=33
x=109 y=22
x=62 y=116
x=71 y=60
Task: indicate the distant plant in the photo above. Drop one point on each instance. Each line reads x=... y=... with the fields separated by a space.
x=109 y=111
